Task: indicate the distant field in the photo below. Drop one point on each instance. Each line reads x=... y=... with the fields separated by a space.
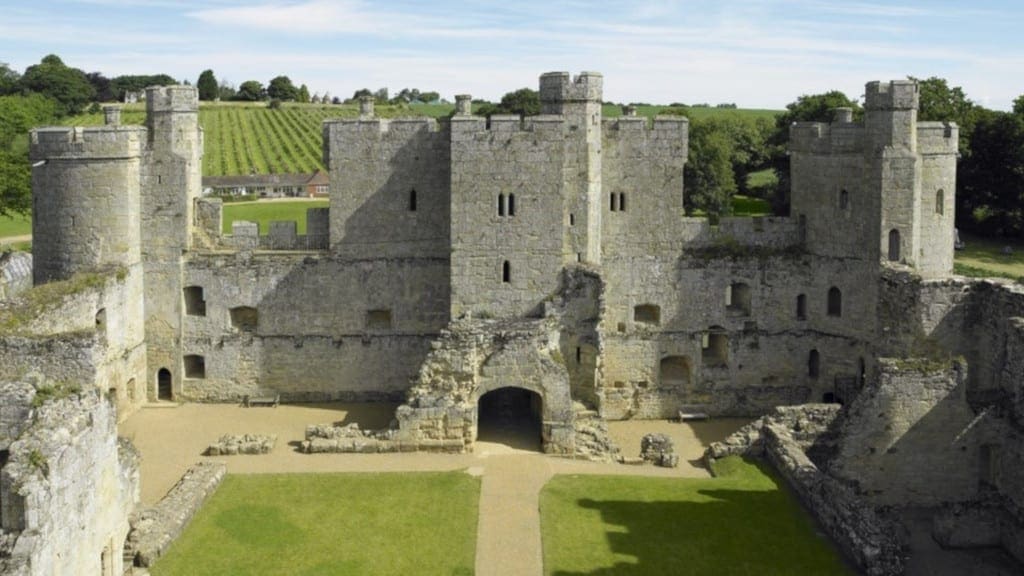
x=249 y=137
x=263 y=212
x=693 y=113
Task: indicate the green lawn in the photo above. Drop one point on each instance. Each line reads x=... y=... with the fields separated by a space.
x=740 y=523
x=748 y=206
x=16 y=225
x=264 y=212
x=320 y=524
x=983 y=257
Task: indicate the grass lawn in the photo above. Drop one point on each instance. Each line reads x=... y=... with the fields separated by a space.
x=740 y=523
x=15 y=225
x=263 y=212
x=306 y=524
x=983 y=257
x=749 y=206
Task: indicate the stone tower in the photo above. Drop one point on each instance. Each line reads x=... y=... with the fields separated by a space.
x=172 y=182
x=881 y=191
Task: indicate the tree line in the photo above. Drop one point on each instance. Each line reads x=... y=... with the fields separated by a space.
x=725 y=149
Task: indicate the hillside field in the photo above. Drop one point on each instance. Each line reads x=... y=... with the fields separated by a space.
x=251 y=138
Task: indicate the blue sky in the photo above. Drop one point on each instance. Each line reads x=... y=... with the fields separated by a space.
x=756 y=53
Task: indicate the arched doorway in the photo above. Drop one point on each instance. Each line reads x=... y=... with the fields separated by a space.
x=510 y=416
x=164 y=390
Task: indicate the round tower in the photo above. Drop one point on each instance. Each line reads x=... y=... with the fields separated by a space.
x=85 y=207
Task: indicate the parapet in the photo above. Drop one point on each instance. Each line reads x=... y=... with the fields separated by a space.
x=840 y=137
x=172 y=99
x=936 y=138
x=95 y=143
x=893 y=95
x=559 y=87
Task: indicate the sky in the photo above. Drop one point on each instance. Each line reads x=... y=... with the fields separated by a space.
x=755 y=53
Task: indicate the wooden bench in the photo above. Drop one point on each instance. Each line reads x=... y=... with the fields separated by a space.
x=250 y=401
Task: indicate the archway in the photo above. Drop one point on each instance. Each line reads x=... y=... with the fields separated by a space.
x=164 y=389
x=511 y=416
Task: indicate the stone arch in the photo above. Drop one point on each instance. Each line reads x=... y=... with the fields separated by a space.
x=675 y=371
x=164 y=385
x=511 y=415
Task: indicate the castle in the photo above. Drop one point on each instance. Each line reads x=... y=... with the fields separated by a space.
x=546 y=261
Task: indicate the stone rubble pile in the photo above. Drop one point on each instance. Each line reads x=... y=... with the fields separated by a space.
x=234 y=444
x=659 y=450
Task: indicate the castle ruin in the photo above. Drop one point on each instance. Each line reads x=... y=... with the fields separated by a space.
x=548 y=261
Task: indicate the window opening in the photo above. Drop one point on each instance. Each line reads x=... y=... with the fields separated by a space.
x=412 y=200
x=195 y=366
x=894 y=245
x=506 y=271
x=801 y=307
x=195 y=304
x=813 y=364
x=835 y=302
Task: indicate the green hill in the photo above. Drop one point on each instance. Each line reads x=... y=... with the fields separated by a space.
x=244 y=138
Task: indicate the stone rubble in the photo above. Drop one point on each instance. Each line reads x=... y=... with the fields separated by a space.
x=234 y=444
x=659 y=450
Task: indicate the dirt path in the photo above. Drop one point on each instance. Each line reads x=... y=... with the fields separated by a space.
x=171 y=438
x=16 y=239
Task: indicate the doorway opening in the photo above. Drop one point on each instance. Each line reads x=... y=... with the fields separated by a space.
x=510 y=416
x=163 y=385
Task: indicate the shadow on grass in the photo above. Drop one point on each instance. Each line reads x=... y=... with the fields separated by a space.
x=755 y=530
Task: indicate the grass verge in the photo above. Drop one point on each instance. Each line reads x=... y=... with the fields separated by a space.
x=984 y=257
x=306 y=524
x=265 y=212
x=740 y=523
x=15 y=225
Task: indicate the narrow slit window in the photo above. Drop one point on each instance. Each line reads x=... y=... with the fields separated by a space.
x=506 y=271
x=572 y=219
x=940 y=202
x=844 y=199
x=501 y=204
x=412 y=200
x=835 y=302
x=511 y=204
x=615 y=202
x=813 y=364
x=622 y=202
x=801 y=307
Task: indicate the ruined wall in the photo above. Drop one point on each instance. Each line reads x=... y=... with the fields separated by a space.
x=68 y=488
x=389 y=187
x=15 y=273
x=87 y=328
x=906 y=438
x=506 y=260
x=652 y=366
x=310 y=326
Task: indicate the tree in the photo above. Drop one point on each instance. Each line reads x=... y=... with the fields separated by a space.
x=429 y=97
x=226 y=91
x=8 y=79
x=207 y=86
x=137 y=83
x=251 y=91
x=104 y=91
x=51 y=77
x=525 y=102
x=381 y=95
x=360 y=93
x=303 y=94
x=281 y=87
x=709 y=178
x=17 y=115
x=990 y=181
x=940 y=103
x=807 y=108
x=1018 y=105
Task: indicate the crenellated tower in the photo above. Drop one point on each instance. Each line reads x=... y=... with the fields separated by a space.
x=881 y=190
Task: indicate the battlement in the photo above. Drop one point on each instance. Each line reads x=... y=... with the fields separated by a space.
x=893 y=95
x=839 y=137
x=934 y=138
x=172 y=99
x=100 y=142
x=382 y=125
x=558 y=87
x=506 y=124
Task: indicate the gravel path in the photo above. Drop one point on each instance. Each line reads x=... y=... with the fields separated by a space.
x=172 y=437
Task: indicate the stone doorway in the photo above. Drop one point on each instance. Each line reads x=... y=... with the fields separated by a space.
x=511 y=416
x=164 y=390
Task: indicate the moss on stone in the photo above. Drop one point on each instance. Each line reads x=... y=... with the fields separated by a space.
x=41 y=299
x=57 y=391
x=727 y=247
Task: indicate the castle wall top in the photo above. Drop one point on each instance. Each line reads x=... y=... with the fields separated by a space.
x=938 y=137
x=99 y=142
x=560 y=87
x=172 y=99
x=893 y=95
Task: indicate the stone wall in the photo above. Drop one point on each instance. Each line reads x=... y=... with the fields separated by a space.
x=154 y=529
x=15 y=273
x=908 y=434
x=267 y=318
x=68 y=487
